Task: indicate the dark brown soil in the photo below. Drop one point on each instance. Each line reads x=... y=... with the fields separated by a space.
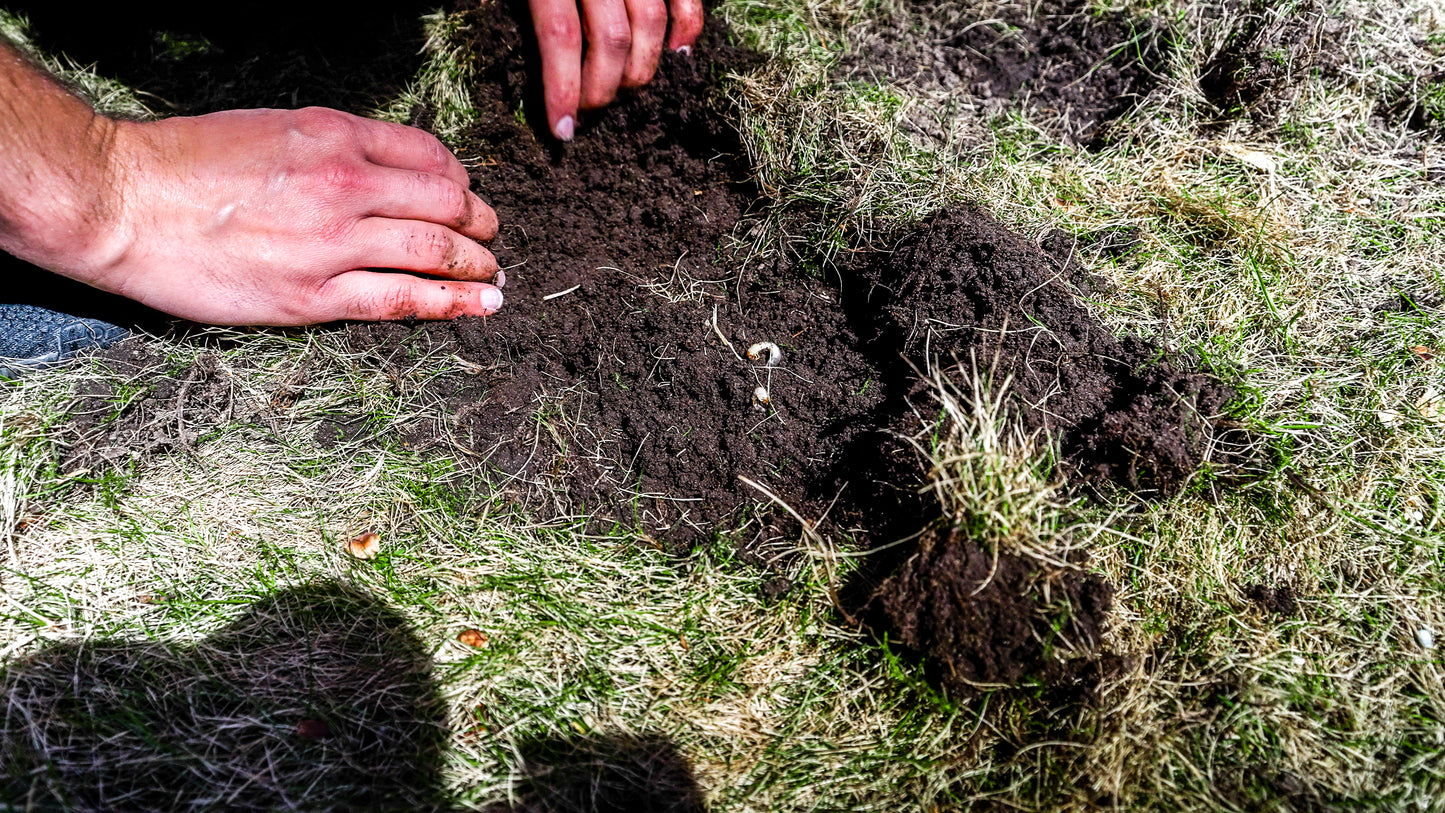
x=966 y=287
x=1278 y=600
x=614 y=383
x=1074 y=69
x=1256 y=71
x=979 y=616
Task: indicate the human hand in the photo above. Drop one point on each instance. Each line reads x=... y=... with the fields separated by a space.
x=274 y=217
x=624 y=42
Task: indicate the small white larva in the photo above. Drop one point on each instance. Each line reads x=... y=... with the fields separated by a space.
x=761 y=395
x=775 y=353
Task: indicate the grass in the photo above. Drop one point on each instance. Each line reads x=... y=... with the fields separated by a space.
x=1297 y=253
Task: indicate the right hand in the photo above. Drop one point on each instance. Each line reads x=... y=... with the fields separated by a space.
x=278 y=217
x=624 y=40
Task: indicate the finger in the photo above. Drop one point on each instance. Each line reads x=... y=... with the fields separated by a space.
x=373 y=296
x=648 y=19
x=559 y=41
x=396 y=145
x=410 y=195
x=686 y=24
x=609 y=40
x=426 y=248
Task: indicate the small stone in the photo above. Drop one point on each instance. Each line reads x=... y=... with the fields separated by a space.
x=1297 y=661
x=1425 y=637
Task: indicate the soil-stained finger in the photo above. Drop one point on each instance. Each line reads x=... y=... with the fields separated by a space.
x=686 y=23
x=649 y=28
x=609 y=41
x=559 y=42
x=426 y=248
x=398 y=146
x=372 y=296
x=410 y=195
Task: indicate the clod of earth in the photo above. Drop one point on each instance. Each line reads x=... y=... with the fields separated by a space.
x=979 y=617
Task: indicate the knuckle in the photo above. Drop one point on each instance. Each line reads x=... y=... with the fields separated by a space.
x=455 y=204
x=615 y=36
x=653 y=16
x=440 y=157
x=438 y=249
x=324 y=124
x=340 y=177
x=563 y=32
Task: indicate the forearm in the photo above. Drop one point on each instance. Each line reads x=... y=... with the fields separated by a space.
x=57 y=180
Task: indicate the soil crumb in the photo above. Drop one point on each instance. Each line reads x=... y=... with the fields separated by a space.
x=1065 y=62
x=1278 y=600
x=979 y=617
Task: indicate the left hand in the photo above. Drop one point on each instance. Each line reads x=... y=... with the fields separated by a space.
x=624 y=40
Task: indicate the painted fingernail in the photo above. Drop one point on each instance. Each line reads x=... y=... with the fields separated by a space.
x=500 y=280
x=564 y=128
x=685 y=50
x=491 y=300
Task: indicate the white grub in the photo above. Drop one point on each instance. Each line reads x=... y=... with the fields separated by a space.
x=760 y=395
x=775 y=353
x=1425 y=637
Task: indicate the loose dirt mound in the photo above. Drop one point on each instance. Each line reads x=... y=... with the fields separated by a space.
x=964 y=286
x=979 y=616
x=1077 y=70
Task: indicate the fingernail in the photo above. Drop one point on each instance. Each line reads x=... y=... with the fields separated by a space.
x=564 y=128
x=491 y=300
x=500 y=280
x=685 y=50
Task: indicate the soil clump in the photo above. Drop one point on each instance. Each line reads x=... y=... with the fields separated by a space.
x=965 y=287
x=979 y=617
x=1065 y=63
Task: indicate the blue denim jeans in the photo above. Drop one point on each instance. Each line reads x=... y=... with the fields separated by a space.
x=33 y=337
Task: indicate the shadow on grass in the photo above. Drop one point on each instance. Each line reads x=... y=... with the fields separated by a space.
x=617 y=773
x=318 y=697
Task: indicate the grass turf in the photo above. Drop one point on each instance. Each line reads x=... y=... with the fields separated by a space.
x=1296 y=252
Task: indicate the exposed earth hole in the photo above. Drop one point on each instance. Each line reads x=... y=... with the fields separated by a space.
x=1074 y=70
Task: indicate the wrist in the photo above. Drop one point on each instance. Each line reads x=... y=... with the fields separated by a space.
x=70 y=220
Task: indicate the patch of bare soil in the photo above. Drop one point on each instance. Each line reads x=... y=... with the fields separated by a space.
x=1073 y=69
x=1256 y=71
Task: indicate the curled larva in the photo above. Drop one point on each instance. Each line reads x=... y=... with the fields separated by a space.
x=760 y=395
x=775 y=353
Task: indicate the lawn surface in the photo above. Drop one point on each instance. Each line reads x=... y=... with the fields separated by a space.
x=183 y=624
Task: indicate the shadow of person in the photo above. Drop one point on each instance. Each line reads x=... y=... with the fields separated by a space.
x=319 y=697
x=613 y=773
